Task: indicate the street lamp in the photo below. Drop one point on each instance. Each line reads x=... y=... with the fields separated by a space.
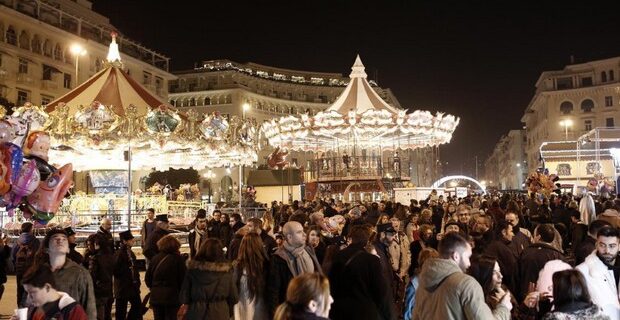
x=518 y=165
x=566 y=123
x=77 y=50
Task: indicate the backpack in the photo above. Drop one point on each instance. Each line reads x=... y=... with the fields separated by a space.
x=24 y=257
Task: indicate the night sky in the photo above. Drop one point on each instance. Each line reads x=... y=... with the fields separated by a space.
x=479 y=62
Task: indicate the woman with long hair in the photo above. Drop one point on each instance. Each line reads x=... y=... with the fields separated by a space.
x=307 y=298
x=315 y=240
x=209 y=290
x=571 y=299
x=250 y=274
x=164 y=276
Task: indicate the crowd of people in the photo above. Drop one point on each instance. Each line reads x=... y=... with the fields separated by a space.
x=480 y=257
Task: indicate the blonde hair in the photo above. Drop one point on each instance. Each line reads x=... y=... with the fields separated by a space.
x=301 y=290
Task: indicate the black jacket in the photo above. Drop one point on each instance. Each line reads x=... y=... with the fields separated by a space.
x=107 y=236
x=225 y=234
x=507 y=259
x=532 y=260
x=358 y=287
x=74 y=255
x=151 y=245
x=126 y=274
x=5 y=253
x=191 y=239
x=164 y=277
x=101 y=268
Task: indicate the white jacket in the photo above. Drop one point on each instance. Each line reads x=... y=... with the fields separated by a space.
x=601 y=285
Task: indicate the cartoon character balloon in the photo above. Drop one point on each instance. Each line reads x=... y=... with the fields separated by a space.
x=36 y=147
x=7 y=132
x=27 y=181
x=45 y=200
x=11 y=158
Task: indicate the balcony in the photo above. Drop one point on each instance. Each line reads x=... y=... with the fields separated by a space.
x=4 y=75
x=25 y=78
x=49 y=85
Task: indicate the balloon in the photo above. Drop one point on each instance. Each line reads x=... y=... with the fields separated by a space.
x=46 y=199
x=7 y=132
x=16 y=158
x=45 y=169
x=37 y=144
x=27 y=181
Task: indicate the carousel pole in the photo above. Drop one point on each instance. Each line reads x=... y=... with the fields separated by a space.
x=129 y=188
x=240 y=183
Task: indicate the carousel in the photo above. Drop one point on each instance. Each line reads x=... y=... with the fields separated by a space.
x=360 y=143
x=110 y=127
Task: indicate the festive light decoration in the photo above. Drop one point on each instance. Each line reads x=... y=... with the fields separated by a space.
x=360 y=117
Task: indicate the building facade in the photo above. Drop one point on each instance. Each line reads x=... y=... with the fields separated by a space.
x=506 y=167
x=36 y=60
x=571 y=102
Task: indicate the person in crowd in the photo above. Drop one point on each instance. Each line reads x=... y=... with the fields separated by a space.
x=23 y=256
x=213 y=229
x=198 y=234
x=235 y=243
x=579 y=232
x=601 y=271
x=544 y=284
x=414 y=283
x=48 y=302
x=571 y=298
x=315 y=241
x=5 y=253
x=412 y=228
x=427 y=240
x=307 y=298
x=400 y=260
x=209 y=290
x=101 y=268
x=69 y=277
x=73 y=254
x=255 y=225
x=447 y=292
x=236 y=222
x=382 y=243
x=289 y=261
x=496 y=212
x=250 y=274
x=148 y=227
x=587 y=209
x=588 y=245
x=359 y=290
x=383 y=219
x=127 y=280
x=522 y=237
x=164 y=278
x=353 y=217
x=612 y=216
x=105 y=232
x=486 y=270
x=225 y=231
x=373 y=214
x=482 y=232
x=506 y=257
x=533 y=259
x=161 y=230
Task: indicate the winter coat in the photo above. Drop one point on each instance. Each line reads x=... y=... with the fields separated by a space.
x=545 y=276
x=164 y=277
x=77 y=283
x=579 y=233
x=107 y=236
x=410 y=291
x=532 y=260
x=601 y=285
x=209 y=290
x=191 y=240
x=68 y=309
x=24 y=239
x=225 y=234
x=144 y=232
x=280 y=275
x=611 y=216
x=303 y=315
x=358 y=287
x=269 y=243
x=5 y=252
x=400 y=256
x=521 y=240
x=507 y=260
x=126 y=274
x=74 y=255
x=151 y=244
x=101 y=269
x=446 y=293
x=592 y=312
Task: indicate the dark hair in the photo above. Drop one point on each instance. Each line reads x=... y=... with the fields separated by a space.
x=38 y=275
x=151 y=210
x=169 y=244
x=236 y=216
x=482 y=270
x=500 y=226
x=211 y=251
x=569 y=286
x=201 y=214
x=546 y=232
x=216 y=210
x=226 y=218
x=359 y=234
x=251 y=261
x=450 y=243
x=596 y=225
x=608 y=231
x=27 y=227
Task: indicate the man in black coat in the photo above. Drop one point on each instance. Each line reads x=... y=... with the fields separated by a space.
x=198 y=234
x=534 y=258
x=359 y=290
x=236 y=222
x=269 y=243
x=127 y=280
x=104 y=233
x=73 y=254
x=160 y=231
x=385 y=236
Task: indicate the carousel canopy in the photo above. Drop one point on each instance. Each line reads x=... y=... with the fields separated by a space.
x=94 y=125
x=360 y=117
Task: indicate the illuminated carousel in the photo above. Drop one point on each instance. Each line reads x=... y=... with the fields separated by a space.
x=110 y=126
x=360 y=143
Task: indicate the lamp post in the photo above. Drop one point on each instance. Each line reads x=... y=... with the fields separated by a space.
x=245 y=108
x=566 y=123
x=77 y=50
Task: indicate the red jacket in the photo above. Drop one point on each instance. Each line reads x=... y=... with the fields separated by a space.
x=69 y=310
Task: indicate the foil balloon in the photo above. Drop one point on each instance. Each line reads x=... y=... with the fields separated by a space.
x=7 y=132
x=27 y=181
x=15 y=157
x=37 y=144
x=44 y=202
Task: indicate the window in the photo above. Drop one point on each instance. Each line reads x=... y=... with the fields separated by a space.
x=609 y=101
x=588 y=125
x=23 y=66
x=611 y=75
x=36 y=44
x=564 y=83
x=47 y=72
x=67 y=81
x=586 y=81
x=609 y=122
x=587 y=105
x=603 y=76
x=146 y=77
x=57 y=52
x=46 y=99
x=566 y=107
x=158 y=82
x=22 y=97
x=11 y=36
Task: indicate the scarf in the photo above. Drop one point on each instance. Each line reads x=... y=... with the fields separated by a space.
x=199 y=236
x=301 y=260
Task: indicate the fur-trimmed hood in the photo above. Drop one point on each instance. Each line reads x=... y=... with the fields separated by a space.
x=209 y=266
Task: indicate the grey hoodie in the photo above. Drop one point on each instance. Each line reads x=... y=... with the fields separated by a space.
x=445 y=292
